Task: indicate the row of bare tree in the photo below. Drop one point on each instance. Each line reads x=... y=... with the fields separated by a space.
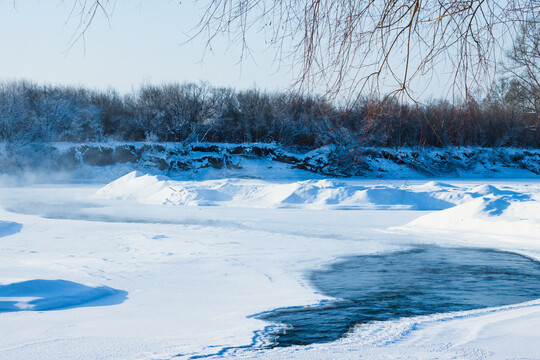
x=199 y=112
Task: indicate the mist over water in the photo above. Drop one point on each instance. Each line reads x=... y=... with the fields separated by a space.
x=422 y=281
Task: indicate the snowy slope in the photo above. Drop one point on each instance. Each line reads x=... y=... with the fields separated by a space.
x=499 y=211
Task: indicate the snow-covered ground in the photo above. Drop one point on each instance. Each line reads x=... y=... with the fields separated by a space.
x=152 y=268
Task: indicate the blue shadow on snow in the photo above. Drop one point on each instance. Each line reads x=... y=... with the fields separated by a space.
x=43 y=295
x=9 y=228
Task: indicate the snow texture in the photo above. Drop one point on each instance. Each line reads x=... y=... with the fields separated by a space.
x=200 y=258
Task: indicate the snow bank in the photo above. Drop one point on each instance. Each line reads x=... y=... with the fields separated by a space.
x=488 y=210
x=469 y=208
x=39 y=295
x=261 y=160
x=152 y=189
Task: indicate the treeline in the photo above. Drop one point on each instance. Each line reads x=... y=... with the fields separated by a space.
x=31 y=113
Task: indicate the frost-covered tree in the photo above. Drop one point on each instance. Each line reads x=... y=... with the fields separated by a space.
x=522 y=88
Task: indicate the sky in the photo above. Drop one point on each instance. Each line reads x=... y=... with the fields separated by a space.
x=143 y=42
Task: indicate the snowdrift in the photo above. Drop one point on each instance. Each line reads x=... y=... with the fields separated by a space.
x=40 y=295
x=155 y=189
x=490 y=210
x=468 y=208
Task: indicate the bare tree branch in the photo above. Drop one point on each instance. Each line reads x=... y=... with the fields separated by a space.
x=349 y=47
x=344 y=48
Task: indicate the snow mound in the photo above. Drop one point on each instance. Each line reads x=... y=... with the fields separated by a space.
x=9 y=228
x=39 y=295
x=436 y=185
x=488 y=209
x=135 y=185
x=256 y=193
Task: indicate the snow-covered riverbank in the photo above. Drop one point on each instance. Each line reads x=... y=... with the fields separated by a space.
x=265 y=161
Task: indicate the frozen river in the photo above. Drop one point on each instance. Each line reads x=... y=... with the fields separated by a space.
x=185 y=269
x=422 y=281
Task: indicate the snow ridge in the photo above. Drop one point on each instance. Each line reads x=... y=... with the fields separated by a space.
x=157 y=189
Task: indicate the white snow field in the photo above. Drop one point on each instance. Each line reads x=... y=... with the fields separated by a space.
x=148 y=267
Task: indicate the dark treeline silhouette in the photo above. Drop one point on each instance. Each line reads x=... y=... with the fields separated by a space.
x=31 y=113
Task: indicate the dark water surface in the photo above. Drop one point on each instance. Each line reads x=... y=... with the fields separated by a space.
x=422 y=281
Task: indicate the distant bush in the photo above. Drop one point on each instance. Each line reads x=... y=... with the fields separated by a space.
x=31 y=113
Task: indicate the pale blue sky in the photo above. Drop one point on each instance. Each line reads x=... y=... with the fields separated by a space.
x=142 y=44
